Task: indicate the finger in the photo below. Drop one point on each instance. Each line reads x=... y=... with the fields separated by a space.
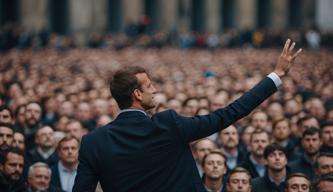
x=292 y=47
x=286 y=45
x=297 y=53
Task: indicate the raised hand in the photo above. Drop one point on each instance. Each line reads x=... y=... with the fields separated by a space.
x=287 y=58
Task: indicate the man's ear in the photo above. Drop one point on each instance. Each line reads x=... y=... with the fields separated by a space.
x=137 y=94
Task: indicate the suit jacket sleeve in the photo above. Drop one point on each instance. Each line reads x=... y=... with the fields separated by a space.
x=86 y=178
x=197 y=127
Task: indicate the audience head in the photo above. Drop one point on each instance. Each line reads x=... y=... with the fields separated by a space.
x=39 y=176
x=33 y=114
x=202 y=148
x=6 y=135
x=276 y=157
x=239 y=180
x=12 y=164
x=298 y=182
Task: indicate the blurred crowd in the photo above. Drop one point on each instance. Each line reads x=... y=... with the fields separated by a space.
x=51 y=98
x=140 y=35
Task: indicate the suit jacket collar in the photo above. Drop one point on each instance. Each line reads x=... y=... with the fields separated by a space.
x=128 y=113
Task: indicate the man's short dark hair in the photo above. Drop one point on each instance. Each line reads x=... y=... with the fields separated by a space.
x=326 y=124
x=4 y=154
x=8 y=125
x=273 y=147
x=311 y=131
x=322 y=154
x=326 y=177
x=4 y=107
x=123 y=83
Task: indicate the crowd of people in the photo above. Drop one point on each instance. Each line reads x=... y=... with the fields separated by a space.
x=139 y=35
x=50 y=99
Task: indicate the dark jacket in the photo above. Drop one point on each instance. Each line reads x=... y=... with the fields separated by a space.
x=303 y=165
x=7 y=185
x=33 y=156
x=247 y=164
x=138 y=153
x=55 y=177
x=264 y=184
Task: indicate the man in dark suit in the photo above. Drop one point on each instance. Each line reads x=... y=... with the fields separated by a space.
x=255 y=161
x=136 y=152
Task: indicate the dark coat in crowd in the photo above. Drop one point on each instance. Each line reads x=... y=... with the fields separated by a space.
x=303 y=165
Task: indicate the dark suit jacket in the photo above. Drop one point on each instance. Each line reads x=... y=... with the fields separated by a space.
x=33 y=156
x=264 y=184
x=139 y=153
x=55 y=177
x=304 y=166
x=247 y=164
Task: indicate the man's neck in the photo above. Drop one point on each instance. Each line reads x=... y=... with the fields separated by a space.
x=282 y=143
x=231 y=151
x=213 y=185
x=277 y=176
x=45 y=149
x=70 y=166
x=260 y=160
x=311 y=157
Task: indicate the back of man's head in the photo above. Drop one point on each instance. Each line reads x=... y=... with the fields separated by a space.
x=123 y=83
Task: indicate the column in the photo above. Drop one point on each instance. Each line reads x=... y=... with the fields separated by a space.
x=279 y=14
x=246 y=14
x=133 y=10
x=324 y=14
x=169 y=14
x=213 y=15
x=34 y=14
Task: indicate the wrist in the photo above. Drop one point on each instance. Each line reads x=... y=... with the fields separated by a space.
x=280 y=73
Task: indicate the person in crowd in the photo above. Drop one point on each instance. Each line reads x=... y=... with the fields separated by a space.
x=327 y=137
x=11 y=169
x=19 y=140
x=33 y=115
x=298 y=182
x=275 y=111
x=45 y=149
x=190 y=106
x=255 y=162
x=200 y=149
x=324 y=164
x=6 y=115
x=259 y=119
x=49 y=116
x=84 y=115
x=6 y=136
x=214 y=169
x=39 y=177
x=64 y=172
x=20 y=118
x=281 y=135
x=246 y=137
x=239 y=180
x=75 y=129
x=324 y=183
x=229 y=140
x=311 y=142
x=276 y=174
